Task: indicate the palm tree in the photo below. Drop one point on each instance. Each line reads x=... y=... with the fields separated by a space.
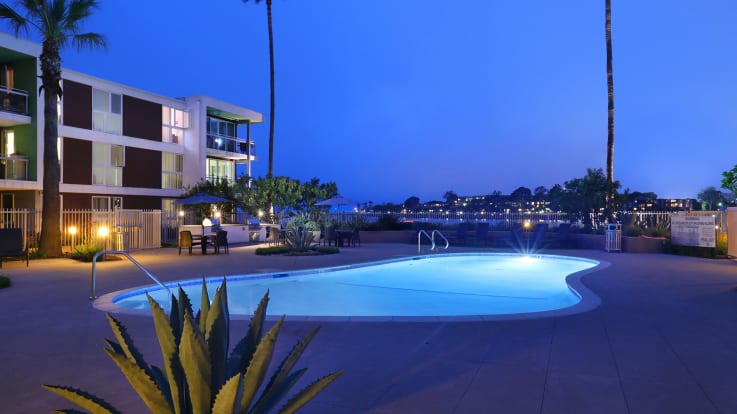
x=270 y=172
x=610 y=93
x=58 y=22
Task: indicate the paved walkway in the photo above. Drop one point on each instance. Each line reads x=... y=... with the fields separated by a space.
x=664 y=340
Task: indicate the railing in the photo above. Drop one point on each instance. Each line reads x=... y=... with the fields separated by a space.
x=231 y=144
x=14 y=100
x=13 y=167
x=135 y=262
x=432 y=240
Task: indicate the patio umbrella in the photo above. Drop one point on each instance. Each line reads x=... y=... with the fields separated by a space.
x=337 y=200
x=201 y=198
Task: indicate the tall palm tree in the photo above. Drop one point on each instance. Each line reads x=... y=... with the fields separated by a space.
x=270 y=172
x=610 y=93
x=58 y=23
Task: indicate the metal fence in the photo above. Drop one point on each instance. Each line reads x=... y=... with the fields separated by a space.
x=121 y=228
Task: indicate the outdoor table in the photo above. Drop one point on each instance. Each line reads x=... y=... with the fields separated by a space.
x=342 y=234
x=204 y=240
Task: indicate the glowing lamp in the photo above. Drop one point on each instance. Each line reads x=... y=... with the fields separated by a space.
x=72 y=230
x=103 y=231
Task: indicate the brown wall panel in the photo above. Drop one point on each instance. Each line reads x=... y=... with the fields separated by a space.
x=142 y=168
x=77 y=161
x=75 y=201
x=77 y=104
x=141 y=119
x=142 y=202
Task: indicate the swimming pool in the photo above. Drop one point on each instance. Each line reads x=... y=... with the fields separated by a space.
x=484 y=285
x=487 y=285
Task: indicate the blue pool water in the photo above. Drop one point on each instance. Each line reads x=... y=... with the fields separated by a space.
x=438 y=285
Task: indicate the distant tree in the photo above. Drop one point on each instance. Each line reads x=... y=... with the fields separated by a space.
x=585 y=198
x=450 y=197
x=58 y=23
x=540 y=193
x=729 y=181
x=555 y=194
x=219 y=188
x=521 y=194
x=314 y=191
x=710 y=198
x=412 y=203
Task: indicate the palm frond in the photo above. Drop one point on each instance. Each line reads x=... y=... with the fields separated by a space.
x=15 y=20
x=89 y=40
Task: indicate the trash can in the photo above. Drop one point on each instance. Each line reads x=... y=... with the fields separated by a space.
x=613 y=238
x=121 y=241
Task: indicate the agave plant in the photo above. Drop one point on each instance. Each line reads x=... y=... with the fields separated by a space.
x=198 y=375
x=300 y=239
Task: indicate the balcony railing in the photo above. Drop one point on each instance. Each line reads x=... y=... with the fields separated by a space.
x=230 y=144
x=13 y=100
x=13 y=167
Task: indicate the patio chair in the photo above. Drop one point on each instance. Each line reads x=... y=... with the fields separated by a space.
x=330 y=236
x=186 y=241
x=274 y=236
x=221 y=240
x=355 y=237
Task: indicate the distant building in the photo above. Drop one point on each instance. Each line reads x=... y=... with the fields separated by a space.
x=118 y=146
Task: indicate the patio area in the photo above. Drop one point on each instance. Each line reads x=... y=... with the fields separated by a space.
x=663 y=340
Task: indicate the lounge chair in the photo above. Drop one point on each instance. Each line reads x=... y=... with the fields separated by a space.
x=355 y=237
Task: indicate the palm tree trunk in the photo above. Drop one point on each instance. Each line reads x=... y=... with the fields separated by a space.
x=610 y=93
x=271 y=107
x=50 y=242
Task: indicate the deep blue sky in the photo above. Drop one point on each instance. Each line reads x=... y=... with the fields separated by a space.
x=391 y=99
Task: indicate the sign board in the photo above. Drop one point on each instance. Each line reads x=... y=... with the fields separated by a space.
x=699 y=231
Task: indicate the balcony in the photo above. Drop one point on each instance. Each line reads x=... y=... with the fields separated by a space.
x=231 y=144
x=13 y=167
x=13 y=107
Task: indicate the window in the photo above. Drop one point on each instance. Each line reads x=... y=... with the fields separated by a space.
x=106 y=203
x=107 y=110
x=220 y=170
x=173 y=123
x=107 y=164
x=171 y=170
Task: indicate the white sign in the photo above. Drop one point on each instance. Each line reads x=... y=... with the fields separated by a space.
x=697 y=231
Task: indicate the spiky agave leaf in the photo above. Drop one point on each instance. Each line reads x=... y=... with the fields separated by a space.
x=185 y=307
x=275 y=389
x=142 y=383
x=217 y=336
x=266 y=403
x=89 y=402
x=169 y=352
x=242 y=353
x=195 y=361
x=125 y=342
x=175 y=319
x=69 y=411
x=204 y=306
x=256 y=371
x=228 y=398
x=308 y=393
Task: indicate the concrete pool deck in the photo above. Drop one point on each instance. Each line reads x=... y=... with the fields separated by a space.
x=663 y=340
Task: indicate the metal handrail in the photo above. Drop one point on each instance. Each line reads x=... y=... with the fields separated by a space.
x=419 y=240
x=432 y=240
x=135 y=262
x=447 y=243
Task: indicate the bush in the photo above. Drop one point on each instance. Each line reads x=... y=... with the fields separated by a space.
x=5 y=282
x=86 y=253
x=389 y=222
x=265 y=251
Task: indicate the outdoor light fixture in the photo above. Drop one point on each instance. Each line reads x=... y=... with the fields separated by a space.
x=103 y=232
x=72 y=230
x=217 y=214
x=206 y=222
x=527 y=224
x=181 y=213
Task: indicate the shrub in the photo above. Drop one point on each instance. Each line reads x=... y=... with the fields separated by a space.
x=5 y=282
x=199 y=376
x=265 y=251
x=86 y=253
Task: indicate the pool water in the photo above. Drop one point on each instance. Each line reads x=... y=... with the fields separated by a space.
x=438 y=285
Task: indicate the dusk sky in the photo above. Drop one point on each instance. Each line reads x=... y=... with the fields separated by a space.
x=392 y=99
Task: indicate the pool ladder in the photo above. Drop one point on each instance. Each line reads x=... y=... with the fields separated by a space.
x=431 y=236
x=135 y=262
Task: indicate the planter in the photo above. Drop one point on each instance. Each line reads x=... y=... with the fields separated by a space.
x=389 y=236
x=643 y=244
